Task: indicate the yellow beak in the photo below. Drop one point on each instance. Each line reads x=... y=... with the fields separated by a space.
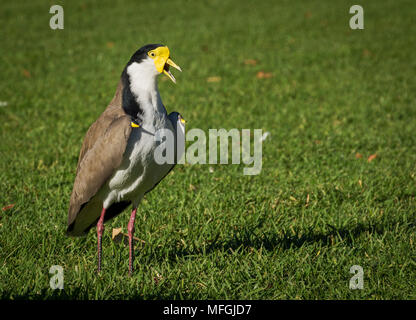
x=166 y=71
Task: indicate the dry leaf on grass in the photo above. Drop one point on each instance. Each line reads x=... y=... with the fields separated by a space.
x=214 y=79
x=366 y=53
x=116 y=233
x=250 y=62
x=119 y=236
x=8 y=207
x=26 y=73
x=358 y=155
x=372 y=157
x=264 y=75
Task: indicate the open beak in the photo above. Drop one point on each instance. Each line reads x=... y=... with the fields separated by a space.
x=166 y=71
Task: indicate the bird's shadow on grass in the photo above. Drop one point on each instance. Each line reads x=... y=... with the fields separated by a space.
x=247 y=238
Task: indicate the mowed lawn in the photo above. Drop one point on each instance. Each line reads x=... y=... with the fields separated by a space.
x=338 y=182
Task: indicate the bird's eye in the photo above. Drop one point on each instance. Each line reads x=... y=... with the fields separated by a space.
x=152 y=54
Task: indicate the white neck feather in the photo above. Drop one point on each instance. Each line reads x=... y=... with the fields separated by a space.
x=143 y=84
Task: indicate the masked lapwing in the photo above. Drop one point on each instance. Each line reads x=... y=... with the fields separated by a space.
x=117 y=165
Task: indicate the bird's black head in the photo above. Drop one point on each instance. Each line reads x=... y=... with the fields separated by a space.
x=151 y=60
x=142 y=53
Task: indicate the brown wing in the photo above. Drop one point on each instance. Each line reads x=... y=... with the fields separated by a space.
x=101 y=153
x=98 y=164
x=98 y=128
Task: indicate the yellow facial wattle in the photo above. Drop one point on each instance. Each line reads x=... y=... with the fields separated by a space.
x=160 y=57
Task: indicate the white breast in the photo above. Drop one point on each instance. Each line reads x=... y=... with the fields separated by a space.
x=138 y=172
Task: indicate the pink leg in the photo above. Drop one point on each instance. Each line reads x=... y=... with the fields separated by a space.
x=130 y=229
x=100 y=230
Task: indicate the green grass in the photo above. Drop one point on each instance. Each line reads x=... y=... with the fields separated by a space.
x=334 y=92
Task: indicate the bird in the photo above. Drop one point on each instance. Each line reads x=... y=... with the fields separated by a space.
x=116 y=164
